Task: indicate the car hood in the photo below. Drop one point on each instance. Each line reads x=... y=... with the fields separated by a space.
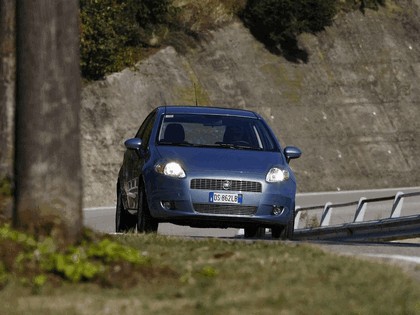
x=230 y=160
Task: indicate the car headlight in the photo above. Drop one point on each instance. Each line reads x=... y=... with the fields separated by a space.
x=276 y=174
x=172 y=169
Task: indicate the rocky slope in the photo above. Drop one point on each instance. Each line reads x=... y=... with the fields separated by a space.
x=353 y=106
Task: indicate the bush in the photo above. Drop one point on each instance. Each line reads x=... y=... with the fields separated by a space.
x=111 y=29
x=96 y=259
x=278 y=22
x=114 y=33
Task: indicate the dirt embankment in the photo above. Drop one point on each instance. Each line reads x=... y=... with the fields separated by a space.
x=353 y=107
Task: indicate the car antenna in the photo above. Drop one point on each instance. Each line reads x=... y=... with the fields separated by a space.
x=195 y=94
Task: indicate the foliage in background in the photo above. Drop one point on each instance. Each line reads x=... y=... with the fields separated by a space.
x=111 y=30
x=277 y=23
x=192 y=20
x=116 y=34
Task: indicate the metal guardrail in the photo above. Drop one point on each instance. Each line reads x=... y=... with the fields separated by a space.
x=381 y=230
x=392 y=228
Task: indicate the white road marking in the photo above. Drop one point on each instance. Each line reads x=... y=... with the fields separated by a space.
x=98 y=208
x=412 y=259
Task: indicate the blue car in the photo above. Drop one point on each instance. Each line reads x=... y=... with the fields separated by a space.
x=206 y=167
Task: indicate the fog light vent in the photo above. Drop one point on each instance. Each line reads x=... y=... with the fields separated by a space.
x=277 y=210
x=168 y=205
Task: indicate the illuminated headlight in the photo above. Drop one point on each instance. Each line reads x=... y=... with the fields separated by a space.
x=172 y=169
x=275 y=175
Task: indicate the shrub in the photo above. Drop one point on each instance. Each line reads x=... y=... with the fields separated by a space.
x=277 y=22
x=100 y=41
x=110 y=29
x=114 y=33
x=96 y=259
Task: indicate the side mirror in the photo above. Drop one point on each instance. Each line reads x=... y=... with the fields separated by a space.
x=291 y=153
x=133 y=144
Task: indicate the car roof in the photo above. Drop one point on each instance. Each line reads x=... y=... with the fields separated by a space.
x=206 y=110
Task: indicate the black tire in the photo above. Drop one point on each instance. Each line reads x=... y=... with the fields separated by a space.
x=124 y=221
x=284 y=232
x=145 y=222
x=277 y=231
x=290 y=228
x=254 y=232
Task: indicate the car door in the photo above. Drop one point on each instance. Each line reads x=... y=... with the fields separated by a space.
x=134 y=161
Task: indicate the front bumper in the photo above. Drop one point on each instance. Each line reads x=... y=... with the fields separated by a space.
x=173 y=200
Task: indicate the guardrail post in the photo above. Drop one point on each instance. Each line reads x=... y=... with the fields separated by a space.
x=326 y=215
x=297 y=217
x=360 y=211
x=397 y=205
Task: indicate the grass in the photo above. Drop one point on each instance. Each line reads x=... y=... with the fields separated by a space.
x=212 y=276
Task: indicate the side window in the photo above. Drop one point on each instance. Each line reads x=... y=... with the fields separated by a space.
x=265 y=138
x=146 y=129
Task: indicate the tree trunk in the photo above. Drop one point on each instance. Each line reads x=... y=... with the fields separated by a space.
x=7 y=104
x=48 y=185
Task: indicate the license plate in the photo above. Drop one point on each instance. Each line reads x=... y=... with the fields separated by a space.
x=225 y=198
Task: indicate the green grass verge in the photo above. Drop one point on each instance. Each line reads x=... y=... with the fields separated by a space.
x=212 y=276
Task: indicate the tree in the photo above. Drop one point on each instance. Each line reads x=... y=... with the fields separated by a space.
x=48 y=186
x=7 y=103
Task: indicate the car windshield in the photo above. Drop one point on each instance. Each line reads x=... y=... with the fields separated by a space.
x=215 y=131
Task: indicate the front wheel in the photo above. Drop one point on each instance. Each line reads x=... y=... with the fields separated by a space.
x=276 y=231
x=254 y=231
x=289 y=231
x=284 y=232
x=124 y=221
x=145 y=222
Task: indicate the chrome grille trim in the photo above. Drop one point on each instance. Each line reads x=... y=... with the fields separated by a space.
x=206 y=208
x=217 y=184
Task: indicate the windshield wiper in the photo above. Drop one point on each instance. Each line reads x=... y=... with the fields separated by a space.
x=237 y=146
x=217 y=145
x=181 y=144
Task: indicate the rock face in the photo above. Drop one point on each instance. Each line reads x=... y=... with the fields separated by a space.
x=353 y=106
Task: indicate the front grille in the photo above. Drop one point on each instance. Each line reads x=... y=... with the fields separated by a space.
x=227 y=185
x=224 y=209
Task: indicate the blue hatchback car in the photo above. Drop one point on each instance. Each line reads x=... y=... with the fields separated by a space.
x=206 y=167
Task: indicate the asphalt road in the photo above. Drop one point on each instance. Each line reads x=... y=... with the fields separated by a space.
x=405 y=254
x=102 y=218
